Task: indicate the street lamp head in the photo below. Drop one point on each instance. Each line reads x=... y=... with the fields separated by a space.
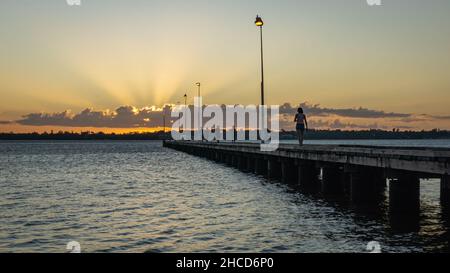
x=198 y=84
x=259 y=22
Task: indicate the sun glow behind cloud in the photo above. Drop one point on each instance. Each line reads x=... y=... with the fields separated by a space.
x=134 y=119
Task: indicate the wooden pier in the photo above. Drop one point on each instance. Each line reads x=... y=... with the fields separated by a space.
x=359 y=172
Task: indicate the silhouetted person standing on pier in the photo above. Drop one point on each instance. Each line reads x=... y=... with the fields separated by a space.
x=301 y=125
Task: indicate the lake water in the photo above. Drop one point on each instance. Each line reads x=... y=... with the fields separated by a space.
x=139 y=197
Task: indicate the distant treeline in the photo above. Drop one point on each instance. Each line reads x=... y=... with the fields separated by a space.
x=311 y=134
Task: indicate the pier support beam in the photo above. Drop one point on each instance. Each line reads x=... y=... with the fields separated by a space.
x=261 y=166
x=404 y=203
x=445 y=198
x=365 y=185
x=250 y=164
x=273 y=169
x=404 y=194
x=289 y=172
x=332 y=180
x=234 y=161
x=445 y=190
x=223 y=158
x=307 y=175
x=242 y=163
x=229 y=159
x=217 y=156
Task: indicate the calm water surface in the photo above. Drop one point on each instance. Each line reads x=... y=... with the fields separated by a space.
x=138 y=196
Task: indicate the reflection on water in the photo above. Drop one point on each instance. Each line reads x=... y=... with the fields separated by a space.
x=138 y=196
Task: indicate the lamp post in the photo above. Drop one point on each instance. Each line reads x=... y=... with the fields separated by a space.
x=198 y=85
x=200 y=122
x=259 y=23
x=185 y=112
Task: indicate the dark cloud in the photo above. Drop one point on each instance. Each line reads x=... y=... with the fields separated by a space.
x=316 y=110
x=122 y=117
x=338 y=124
x=441 y=117
x=422 y=118
x=287 y=124
x=131 y=117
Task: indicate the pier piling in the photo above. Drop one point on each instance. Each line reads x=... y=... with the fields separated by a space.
x=332 y=180
x=308 y=176
x=404 y=194
x=365 y=184
x=445 y=190
x=289 y=172
x=261 y=167
x=250 y=164
x=273 y=168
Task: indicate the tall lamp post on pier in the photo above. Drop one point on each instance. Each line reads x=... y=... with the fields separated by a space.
x=200 y=124
x=198 y=85
x=260 y=23
x=185 y=111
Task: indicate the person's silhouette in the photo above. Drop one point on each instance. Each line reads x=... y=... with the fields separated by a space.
x=301 y=125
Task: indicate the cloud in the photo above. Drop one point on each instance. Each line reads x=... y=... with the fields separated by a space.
x=423 y=118
x=334 y=124
x=441 y=117
x=122 y=117
x=338 y=124
x=318 y=117
x=316 y=110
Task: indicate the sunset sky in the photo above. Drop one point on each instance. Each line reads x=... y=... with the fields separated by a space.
x=351 y=65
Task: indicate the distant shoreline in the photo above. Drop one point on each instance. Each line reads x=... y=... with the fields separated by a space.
x=284 y=135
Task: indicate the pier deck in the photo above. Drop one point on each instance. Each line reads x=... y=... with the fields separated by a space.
x=431 y=162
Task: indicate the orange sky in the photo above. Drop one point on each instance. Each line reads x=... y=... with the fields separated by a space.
x=339 y=54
